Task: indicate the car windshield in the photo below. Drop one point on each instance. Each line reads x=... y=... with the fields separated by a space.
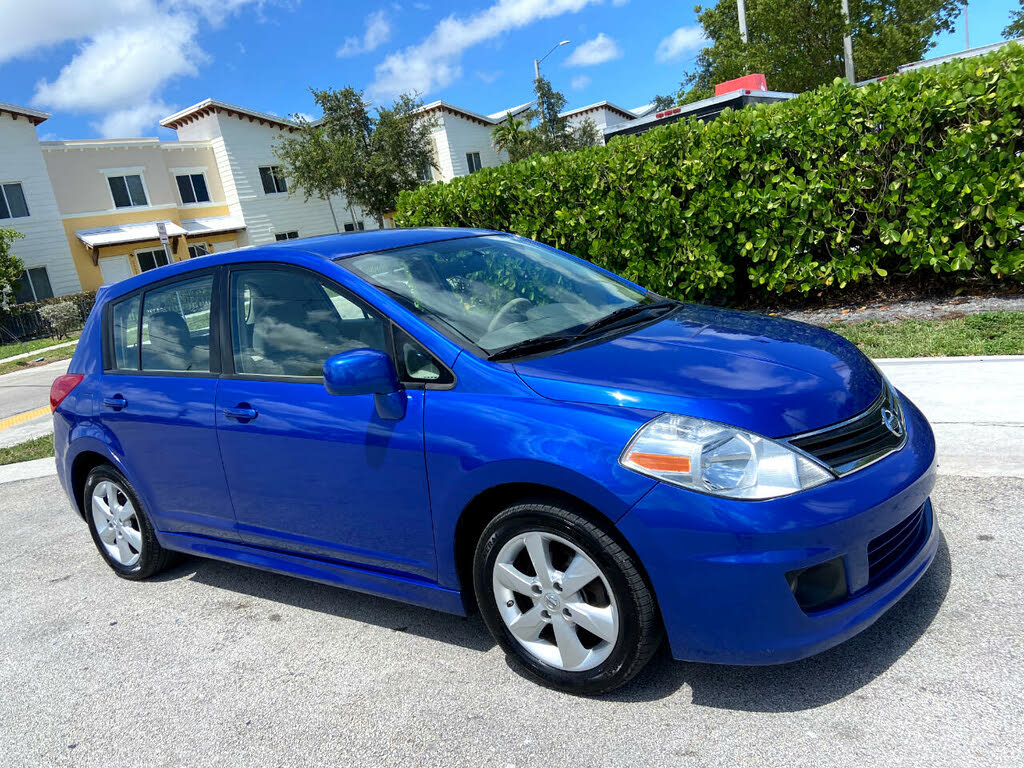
x=496 y=291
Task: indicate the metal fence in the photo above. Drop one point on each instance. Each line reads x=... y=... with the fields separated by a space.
x=22 y=322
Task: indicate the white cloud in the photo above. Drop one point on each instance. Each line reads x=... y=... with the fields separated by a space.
x=128 y=50
x=299 y=116
x=435 y=62
x=377 y=32
x=683 y=40
x=619 y=3
x=489 y=77
x=597 y=51
x=579 y=82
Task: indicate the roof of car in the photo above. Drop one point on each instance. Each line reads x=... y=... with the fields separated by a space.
x=352 y=243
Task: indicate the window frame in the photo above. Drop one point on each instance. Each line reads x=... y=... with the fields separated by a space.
x=114 y=173
x=170 y=258
x=284 y=237
x=357 y=226
x=107 y=326
x=204 y=245
x=190 y=173
x=27 y=274
x=278 y=177
x=7 y=203
x=470 y=162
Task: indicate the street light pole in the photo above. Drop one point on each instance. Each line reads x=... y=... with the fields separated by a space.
x=536 y=62
x=741 y=9
x=847 y=43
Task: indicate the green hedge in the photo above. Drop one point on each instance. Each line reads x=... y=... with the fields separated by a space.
x=923 y=171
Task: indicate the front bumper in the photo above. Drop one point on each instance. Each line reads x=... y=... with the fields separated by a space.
x=718 y=566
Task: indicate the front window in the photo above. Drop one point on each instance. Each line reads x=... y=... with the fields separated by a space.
x=127 y=191
x=286 y=323
x=12 y=201
x=473 y=161
x=497 y=292
x=354 y=226
x=293 y=235
x=195 y=250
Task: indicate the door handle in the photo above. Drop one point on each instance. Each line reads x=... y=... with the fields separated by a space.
x=241 y=412
x=116 y=402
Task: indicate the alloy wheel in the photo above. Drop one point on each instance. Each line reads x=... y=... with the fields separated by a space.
x=117 y=523
x=555 y=601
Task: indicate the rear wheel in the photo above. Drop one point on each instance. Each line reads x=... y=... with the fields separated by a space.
x=564 y=600
x=120 y=526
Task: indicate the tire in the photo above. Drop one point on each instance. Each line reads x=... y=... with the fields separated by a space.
x=127 y=542
x=544 y=623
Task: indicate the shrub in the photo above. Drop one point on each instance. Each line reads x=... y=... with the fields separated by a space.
x=63 y=317
x=921 y=172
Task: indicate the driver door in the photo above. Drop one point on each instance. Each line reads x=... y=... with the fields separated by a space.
x=311 y=473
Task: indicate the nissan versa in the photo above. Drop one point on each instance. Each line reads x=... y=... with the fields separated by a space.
x=463 y=418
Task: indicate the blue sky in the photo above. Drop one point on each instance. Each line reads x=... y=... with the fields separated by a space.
x=114 y=67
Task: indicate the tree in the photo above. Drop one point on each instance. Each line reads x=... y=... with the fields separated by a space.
x=543 y=130
x=512 y=137
x=1016 y=26
x=368 y=158
x=663 y=102
x=798 y=44
x=11 y=267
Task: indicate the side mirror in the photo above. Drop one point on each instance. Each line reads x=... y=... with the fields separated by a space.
x=366 y=372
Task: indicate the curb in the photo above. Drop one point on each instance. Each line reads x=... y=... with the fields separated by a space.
x=28 y=470
x=957 y=359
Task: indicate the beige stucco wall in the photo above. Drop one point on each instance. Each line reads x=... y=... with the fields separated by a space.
x=77 y=173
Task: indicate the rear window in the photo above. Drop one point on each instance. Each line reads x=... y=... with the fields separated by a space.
x=126 y=334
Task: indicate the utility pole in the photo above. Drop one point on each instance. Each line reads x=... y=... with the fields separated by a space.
x=967 y=30
x=847 y=43
x=741 y=9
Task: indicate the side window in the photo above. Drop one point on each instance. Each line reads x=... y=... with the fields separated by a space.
x=176 y=327
x=416 y=364
x=287 y=323
x=125 y=327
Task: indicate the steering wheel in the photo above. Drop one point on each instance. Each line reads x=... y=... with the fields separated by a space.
x=504 y=315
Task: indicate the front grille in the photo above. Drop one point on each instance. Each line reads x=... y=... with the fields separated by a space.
x=859 y=441
x=890 y=551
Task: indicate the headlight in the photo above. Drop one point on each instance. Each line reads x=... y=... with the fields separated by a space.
x=718 y=459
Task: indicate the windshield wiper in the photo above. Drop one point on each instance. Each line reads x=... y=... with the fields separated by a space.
x=538 y=344
x=624 y=313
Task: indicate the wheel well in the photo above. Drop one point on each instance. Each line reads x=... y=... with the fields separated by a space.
x=488 y=504
x=84 y=463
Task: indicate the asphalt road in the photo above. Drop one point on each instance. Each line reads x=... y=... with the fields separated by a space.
x=216 y=664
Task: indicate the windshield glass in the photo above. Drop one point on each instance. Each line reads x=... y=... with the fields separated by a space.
x=495 y=291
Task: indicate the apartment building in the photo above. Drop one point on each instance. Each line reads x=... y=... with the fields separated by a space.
x=97 y=211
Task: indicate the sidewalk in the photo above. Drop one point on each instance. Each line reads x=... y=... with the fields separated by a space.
x=38 y=352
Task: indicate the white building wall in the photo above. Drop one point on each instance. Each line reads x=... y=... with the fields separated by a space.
x=601 y=117
x=44 y=244
x=461 y=136
x=241 y=146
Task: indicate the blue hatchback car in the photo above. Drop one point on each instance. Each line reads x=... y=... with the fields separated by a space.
x=467 y=419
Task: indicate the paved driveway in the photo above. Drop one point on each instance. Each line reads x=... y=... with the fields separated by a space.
x=215 y=664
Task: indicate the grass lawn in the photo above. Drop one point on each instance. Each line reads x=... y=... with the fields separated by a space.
x=18 y=347
x=64 y=353
x=987 y=333
x=39 y=448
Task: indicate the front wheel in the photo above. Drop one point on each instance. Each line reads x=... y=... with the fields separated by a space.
x=564 y=600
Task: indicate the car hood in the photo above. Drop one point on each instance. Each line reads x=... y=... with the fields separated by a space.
x=768 y=375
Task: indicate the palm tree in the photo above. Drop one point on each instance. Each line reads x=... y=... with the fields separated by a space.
x=513 y=137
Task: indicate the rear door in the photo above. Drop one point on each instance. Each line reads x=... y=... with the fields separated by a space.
x=309 y=472
x=157 y=398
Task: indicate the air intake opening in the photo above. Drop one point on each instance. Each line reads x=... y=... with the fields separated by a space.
x=819 y=586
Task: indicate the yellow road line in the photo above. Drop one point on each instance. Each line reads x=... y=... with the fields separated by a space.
x=10 y=421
